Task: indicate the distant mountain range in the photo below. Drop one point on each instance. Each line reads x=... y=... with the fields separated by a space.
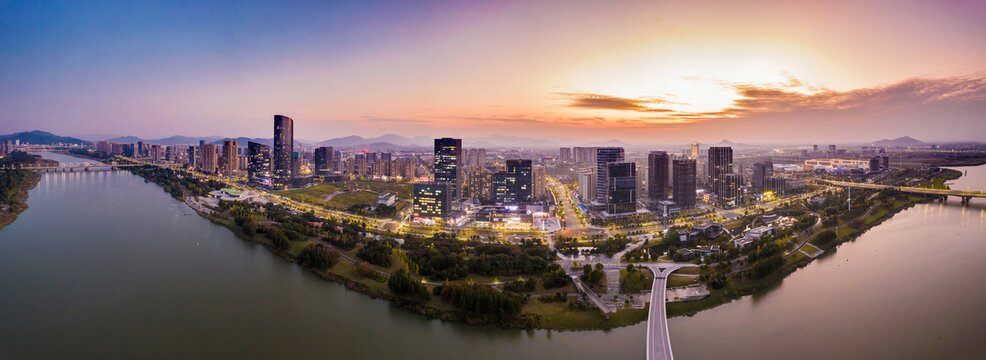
x=901 y=141
x=38 y=137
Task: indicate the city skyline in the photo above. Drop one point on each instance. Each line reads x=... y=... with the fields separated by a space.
x=656 y=72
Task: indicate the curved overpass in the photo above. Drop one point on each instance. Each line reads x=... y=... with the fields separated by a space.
x=658 y=338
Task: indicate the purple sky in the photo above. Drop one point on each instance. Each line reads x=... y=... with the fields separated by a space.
x=649 y=71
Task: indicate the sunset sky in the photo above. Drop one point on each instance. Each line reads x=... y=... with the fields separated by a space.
x=649 y=71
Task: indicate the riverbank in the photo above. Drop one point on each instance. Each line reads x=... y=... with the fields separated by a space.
x=20 y=199
x=371 y=279
x=844 y=233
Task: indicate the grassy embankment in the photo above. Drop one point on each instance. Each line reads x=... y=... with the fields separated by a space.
x=338 y=196
x=737 y=288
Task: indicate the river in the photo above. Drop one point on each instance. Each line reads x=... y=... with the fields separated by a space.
x=104 y=265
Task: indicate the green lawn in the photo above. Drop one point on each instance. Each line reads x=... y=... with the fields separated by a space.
x=689 y=270
x=401 y=189
x=676 y=281
x=559 y=316
x=316 y=195
x=809 y=248
x=295 y=247
x=874 y=215
x=313 y=195
x=345 y=200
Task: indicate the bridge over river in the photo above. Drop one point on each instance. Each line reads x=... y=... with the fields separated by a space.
x=658 y=338
x=965 y=195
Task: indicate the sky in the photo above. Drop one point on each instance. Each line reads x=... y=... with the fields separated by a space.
x=642 y=72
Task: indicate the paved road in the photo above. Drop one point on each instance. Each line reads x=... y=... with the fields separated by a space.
x=658 y=338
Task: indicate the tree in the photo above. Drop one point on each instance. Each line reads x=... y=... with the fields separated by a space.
x=278 y=239
x=376 y=253
x=317 y=256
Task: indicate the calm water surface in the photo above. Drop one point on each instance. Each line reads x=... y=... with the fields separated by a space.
x=104 y=265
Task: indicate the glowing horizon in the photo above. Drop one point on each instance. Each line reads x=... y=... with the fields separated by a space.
x=640 y=71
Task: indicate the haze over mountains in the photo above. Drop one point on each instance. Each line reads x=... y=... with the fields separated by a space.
x=41 y=138
x=391 y=141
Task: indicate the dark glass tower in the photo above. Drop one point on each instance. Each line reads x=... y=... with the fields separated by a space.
x=324 y=160
x=621 y=189
x=521 y=169
x=720 y=164
x=448 y=165
x=604 y=156
x=683 y=183
x=258 y=162
x=657 y=175
x=283 y=149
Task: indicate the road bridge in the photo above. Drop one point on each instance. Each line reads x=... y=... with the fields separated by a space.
x=83 y=166
x=658 y=338
x=965 y=195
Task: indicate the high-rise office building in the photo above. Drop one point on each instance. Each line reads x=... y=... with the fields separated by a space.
x=621 y=188
x=540 y=184
x=258 y=162
x=523 y=179
x=587 y=184
x=720 y=164
x=431 y=200
x=480 y=185
x=657 y=175
x=683 y=182
x=875 y=163
x=731 y=191
x=193 y=157
x=885 y=162
x=283 y=149
x=694 y=150
x=604 y=156
x=504 y=188
x=230 y=161
x=775 y=184
x=324 y=160
x=208 y=158
x=761 y=171
x=448 y=164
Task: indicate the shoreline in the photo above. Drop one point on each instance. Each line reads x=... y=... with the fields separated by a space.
x=625 y=317
x=21 y=200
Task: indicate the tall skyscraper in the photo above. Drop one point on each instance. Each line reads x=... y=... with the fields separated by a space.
x=621 y=188
x=385 y=159
x=683 y=183
x=694 y=150
x=604 y=156
x=258 y=162
x=193 y=157
x=324 y=160
x=720 y=164
x=731 y=190
x=540 y=180
x=208 y=158
x=481 y=185
x=761 y=171
x=448 y=164
x=230 y=160
x=524 y=179
x=283 y=149
x=657 y=175
x=505 y=188
x=587 y=184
